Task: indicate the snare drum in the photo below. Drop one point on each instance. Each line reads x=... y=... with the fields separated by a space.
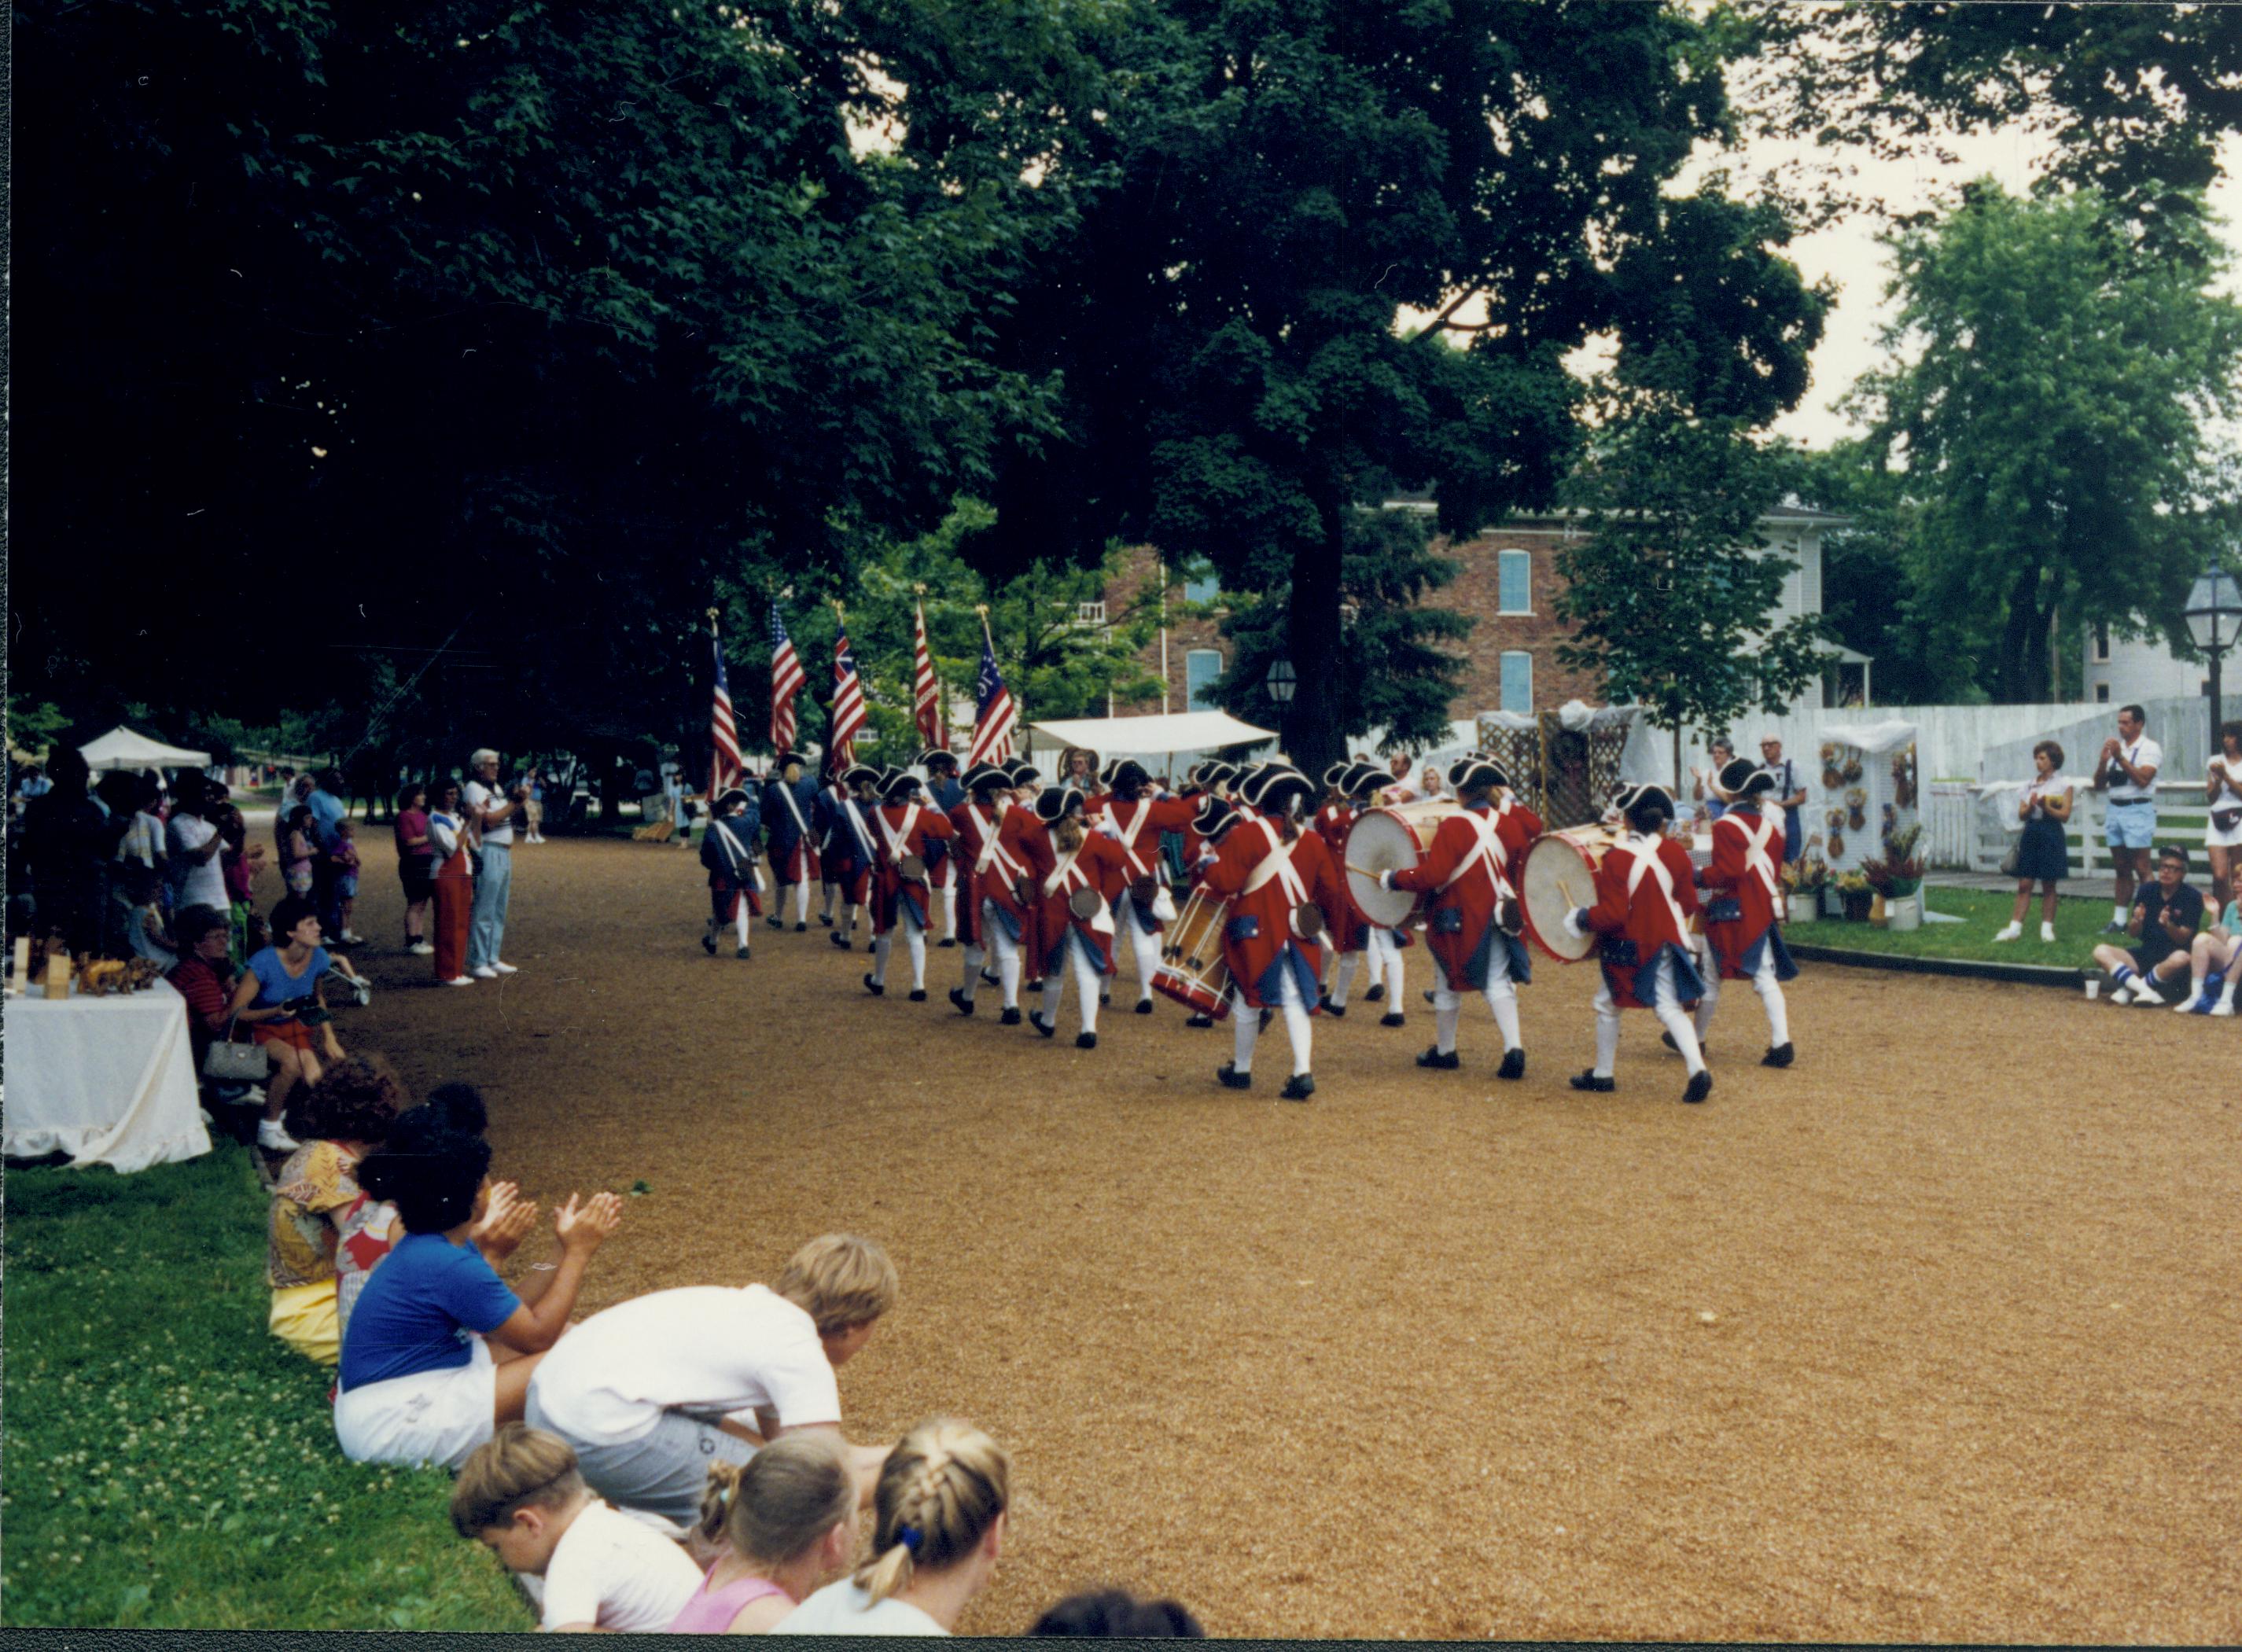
x=1559 y=874
x=1192 y=971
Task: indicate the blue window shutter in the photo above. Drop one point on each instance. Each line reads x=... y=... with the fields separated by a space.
x=1517 y=569
x=1202 y=670
x=1518 y=683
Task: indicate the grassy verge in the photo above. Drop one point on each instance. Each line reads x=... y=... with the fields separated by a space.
x=2078 y=927
x=168 y=1464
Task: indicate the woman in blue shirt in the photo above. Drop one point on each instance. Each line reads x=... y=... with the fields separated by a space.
x=280 y=1002
x=439 y=1350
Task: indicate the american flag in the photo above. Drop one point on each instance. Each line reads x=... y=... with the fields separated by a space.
x=926 y=687
x=995 y=721
x=724 y=770
x=848 y=702
x=786 y=682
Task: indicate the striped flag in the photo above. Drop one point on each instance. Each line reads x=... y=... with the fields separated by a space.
x=994 y=721
x=926 y=687
x=724 y=767
x=847 y=701
x=786 y=682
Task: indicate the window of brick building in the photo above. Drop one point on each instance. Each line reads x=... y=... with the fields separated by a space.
x=2101 y=694
x=1517 y=682
x=1200 y=584
x=2101 y=653
x=1202 y=670
x=1516 y=568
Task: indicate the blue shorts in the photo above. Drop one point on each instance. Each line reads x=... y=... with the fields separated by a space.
x=346 y=886
x=2130 y=825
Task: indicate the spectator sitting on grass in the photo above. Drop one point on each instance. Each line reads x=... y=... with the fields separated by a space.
x=938 y=1515
x=647 y=1391
x=419 y=1381
x=343 y=1117
x=203 y=976
x=279 y=1000
x=2165 y=916
x=2214 y=958
x=1118 y=1615
x=520 y=1496
x=780 y=1525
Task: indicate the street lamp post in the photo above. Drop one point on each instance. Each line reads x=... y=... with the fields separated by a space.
x=2214 y=619
x=1282 y=680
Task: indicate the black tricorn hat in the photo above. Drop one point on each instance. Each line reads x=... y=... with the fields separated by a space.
x=1271 y=786
x=1335 y=776
x=1744 y=778
x=984 y=774
x=1054 y=803
x=1215 y=816
x=1217 y=771
x=1363 y=778
x=779 y=763
x=1105 y=775
x=1021 y=772
x=1476 y=773
x=898 y=784
x=1126 y=776
x=858 y=773
x=934 y=755
x=1635 y=799
x=731 y=796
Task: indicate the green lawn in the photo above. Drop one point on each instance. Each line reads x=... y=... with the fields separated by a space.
x=2078 y=927
x=168 y=1464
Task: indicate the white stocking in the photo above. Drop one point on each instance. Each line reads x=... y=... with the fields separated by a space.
x=741 y=920
x=1771 y=999
x=1298 y=1027
x=1245 y=1030
x=1666 y=1005
x=915 y=941
x=1343 y=977
x=1008 y=955
x=975 y=957
x=1709 y=968
x=1447 y=1011
x=1606 y=1031
x=1143 y=946
x=1502 y=995
x=880 y=948
x=1086 y=979
x=1054 y=990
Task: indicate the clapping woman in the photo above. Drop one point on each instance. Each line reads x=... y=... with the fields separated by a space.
x=2043 y=857
x=2222 y=790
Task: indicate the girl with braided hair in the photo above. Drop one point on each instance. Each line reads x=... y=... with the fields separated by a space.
x=939 y=1513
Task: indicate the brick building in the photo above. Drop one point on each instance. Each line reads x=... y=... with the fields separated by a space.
x=1509 y=584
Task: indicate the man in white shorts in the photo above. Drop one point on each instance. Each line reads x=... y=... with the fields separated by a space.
x=651 y=1392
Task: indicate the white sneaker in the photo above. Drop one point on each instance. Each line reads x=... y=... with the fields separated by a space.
x=2047 y=934
x=2123 y=994
x=2145 y=993
x=460 y=981
x=484 y=972
x=421 y=949
x=353 y=940
x=2223 y=1007
x=504 y=969
x=2185 y=1006
x=273 y=1138
x=2010 y=932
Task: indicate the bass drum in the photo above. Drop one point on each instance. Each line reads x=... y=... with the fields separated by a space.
x=1559 y=874
x=1192 y=971
x=1390 y=840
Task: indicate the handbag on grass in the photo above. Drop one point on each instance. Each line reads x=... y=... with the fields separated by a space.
x=228 y=1063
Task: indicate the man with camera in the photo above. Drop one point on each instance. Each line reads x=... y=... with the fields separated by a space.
x=492 y=814
x=2165 y=916
x=2127 y=770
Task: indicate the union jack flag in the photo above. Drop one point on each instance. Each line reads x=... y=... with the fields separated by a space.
x=926 y=687
x=848 y=704
x=724 y=768
x=995 y=721
x=786 y=682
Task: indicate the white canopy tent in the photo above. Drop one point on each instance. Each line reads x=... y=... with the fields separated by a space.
x=121 y=747
x=1168 y=735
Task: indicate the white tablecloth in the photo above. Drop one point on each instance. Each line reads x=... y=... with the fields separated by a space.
x=107 y=1081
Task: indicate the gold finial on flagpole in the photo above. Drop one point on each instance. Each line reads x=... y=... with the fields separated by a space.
x=919 y=588
x=712 y=618
x=837 y=612
x=981 y=608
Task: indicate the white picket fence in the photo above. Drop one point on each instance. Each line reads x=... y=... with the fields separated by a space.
x=1963 y=832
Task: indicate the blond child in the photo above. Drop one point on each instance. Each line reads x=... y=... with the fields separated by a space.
x=655 y=1392
x=518 y=1494
x=780 y=1524
x=939 y=1526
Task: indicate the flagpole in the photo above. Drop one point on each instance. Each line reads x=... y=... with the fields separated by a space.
x=716 y=757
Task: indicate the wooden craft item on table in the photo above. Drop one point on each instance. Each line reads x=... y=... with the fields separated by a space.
x=59 y=975
x=19 y=977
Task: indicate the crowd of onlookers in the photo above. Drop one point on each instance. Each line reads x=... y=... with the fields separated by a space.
x=675 y=1462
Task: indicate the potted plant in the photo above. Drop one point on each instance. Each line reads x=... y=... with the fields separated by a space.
x=1804 y=881
x=1897 y=877
x=1853 y=891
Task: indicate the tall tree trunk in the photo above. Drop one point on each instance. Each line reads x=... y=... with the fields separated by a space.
x=1312 y=643
x=2012 y=672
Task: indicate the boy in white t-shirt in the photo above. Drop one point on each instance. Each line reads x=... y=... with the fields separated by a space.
x=651 y=1392
x=518 y=1493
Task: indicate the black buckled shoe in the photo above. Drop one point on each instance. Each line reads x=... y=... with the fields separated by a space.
x=742 y=953
x=1781 y=1055
x=1011 y=1017
x=1589 y=1081
x=1199 y=1021
x=839 y=940
x=826 y=920
x=1298 y=1087
x=1144 y=1006
x=964 y=1004
x=1329 y=1008
x=1397 y=1019
x=1085 y=1041
x=991 y=979
x=947 y=940
x=1049 y=1029
x=873 y=987
x=1514 y=1064
x=708 y=944
x=1232 y=1078
x=1375 y=993
x=799 y=928
x=918 y=994
x=775 y=922
x=1432 y=1057
x=1701 y=1085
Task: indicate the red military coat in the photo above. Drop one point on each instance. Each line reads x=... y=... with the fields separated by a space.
x=1140 y=824
x=1517 y=826
x=899 y=829
x=989 y=873
x=1646 y=917
x=1026 y=837
x=1258 y=940
x=1464 y=877
x=1747 y=854
x=1348 y=927
x=1100 y=864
